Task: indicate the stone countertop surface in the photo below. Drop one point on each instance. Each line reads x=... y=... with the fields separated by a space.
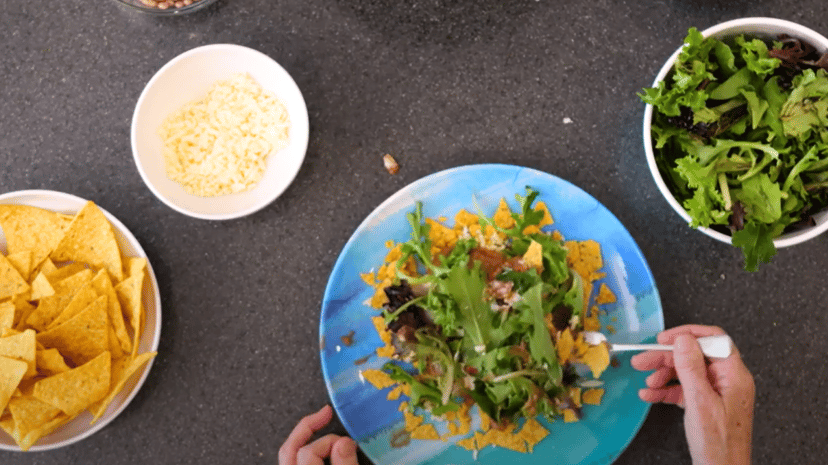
x=438 y=84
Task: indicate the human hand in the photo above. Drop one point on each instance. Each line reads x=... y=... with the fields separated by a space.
x=717 y=395
x=297 y=451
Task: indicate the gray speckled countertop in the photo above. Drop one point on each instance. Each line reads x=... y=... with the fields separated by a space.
x=437 y=84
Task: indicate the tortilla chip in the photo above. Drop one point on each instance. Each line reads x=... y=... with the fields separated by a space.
x=503 y=215
x=134 y=265
x=7 y=424
x=464 y=218
x=575 y=395
x=47 y=267
x=31 y=228
x=74 y=390
x=22 y=310
x=21 y=346
x=412 y=421
x=7 y=313
x=605 y=295
x=441 y=237
x=597 y=359
x=11 y=282
x=564 y=345
x=426 y=431
x=532 y=432
x=82 y=299
x=65 y=271
x=73 y=283
x=11 y=373
x=467 y=443
x=22 y=262
x=41 y=287
x=507 y=440
x=129 y=293
x=82 y=338
x=395 y=393
x=50 y=362
x=119 y=379
x=47 y=310
x=592 y=396
x=534 y=256
x=91 y=239
x=103 y=286
x=379 y=379
x=30 y=413
x=570 y=416
x=591 y=321
x=30 y=439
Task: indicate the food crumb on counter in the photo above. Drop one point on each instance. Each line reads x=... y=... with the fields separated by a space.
x=391 y=165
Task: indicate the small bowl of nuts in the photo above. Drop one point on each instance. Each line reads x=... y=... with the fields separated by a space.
x=165 y=7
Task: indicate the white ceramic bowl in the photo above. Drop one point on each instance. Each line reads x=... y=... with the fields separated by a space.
x=188 y=77
x=79 y=428
x=768 y=28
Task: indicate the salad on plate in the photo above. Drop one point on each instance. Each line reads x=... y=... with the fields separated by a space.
x=490 y=313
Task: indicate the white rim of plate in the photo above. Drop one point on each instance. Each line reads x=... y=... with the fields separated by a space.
x=735 y=26
x=292 y=87
x=25 y=197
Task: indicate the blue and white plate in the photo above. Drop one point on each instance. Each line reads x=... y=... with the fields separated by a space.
x=605 y=430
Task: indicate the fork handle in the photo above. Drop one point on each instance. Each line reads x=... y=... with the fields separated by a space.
x=623 y=347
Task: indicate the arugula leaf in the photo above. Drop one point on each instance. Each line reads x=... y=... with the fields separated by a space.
x=540 y=342
x=466 y=287
x=756 y=243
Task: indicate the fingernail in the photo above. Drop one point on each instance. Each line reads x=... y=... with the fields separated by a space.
x=641 y=393
x=347 y=448
x=685 y=344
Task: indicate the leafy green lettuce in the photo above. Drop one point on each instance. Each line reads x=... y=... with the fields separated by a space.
x=741 y=140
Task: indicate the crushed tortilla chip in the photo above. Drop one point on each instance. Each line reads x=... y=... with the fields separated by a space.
x=570 y=416
x=503 y=216
x=605 y=295
x=395 y=393
x=597 y=359
x=379 y=379
x=369 y=279
x=534 y=255
x=564 y=346
x=532 y=432
x=425 y=431
x=412 y=421
x=592 y=396
x=464 y=218
x=468 y=443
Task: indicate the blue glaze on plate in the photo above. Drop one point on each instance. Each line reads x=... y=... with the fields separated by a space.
x=603 y=433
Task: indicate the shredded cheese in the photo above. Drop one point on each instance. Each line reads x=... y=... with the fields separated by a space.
x=218 y=144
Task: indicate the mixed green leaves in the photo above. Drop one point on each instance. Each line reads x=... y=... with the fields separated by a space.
x=500 y=354
x=740 y=135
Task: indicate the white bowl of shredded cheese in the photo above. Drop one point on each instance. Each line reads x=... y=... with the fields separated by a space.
x=219 y=132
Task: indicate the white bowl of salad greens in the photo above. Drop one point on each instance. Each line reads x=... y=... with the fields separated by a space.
x=736 y=134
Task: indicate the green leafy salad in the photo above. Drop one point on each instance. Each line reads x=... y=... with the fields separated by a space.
x=490 y=312
x=740 y=135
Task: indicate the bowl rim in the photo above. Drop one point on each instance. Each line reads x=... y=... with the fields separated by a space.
x=265 y=199
x=722 y=30
x=19 y=198
x=193 y=7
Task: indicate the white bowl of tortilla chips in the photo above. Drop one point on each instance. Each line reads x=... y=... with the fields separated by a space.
x=80 y=319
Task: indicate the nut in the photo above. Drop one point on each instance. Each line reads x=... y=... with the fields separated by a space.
x=390 y=164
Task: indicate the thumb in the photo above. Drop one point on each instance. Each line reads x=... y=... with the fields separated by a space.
x=691 y=369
